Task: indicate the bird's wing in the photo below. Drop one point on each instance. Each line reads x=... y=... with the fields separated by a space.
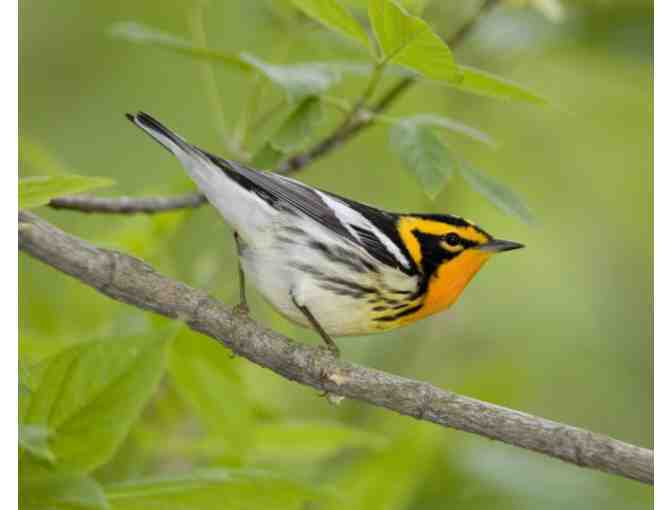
x=372 y=229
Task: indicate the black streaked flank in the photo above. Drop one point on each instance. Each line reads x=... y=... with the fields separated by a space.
x=394 y=317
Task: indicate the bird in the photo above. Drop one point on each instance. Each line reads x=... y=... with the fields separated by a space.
x=326 y=262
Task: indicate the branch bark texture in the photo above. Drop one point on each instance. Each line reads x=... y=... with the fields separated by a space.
x=130 y=280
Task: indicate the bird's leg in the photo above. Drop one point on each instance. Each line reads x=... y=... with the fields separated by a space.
x=241 y=308
x=331 y=345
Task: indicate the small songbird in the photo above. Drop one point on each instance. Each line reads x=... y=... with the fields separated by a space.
x=327 y=262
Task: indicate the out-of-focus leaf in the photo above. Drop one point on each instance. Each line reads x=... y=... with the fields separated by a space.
x=409 y=41
x=295 y=133
x=424 y=154
x=142 y=34
x=483 y=83
x=387 y=479
x=34 y=439
x=232 y=489
x=144 y=236
x=37 y=191
x=209 y=380
x=430 y=119
x=93 y=391
x=501 y=196
x=298 y=80
x=39 y=157
x=335 y=17
x=267 y=157
x=61 y=492
x=552 y=9
x=310 y=441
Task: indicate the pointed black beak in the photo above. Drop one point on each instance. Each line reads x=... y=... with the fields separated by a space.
x=497 y=245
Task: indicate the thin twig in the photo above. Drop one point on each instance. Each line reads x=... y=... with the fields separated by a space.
x=127 y=205
x=130 y=280
x=358 y=120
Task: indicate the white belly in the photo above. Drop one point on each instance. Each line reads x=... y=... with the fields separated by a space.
x=279 y=272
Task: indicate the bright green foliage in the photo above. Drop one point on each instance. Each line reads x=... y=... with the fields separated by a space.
x=409 y=41
x=424 y=154
x=483 y=83
x=310 y=441
x=209 y=380
x=94 y=390
x=503 y=197
x=333 y=15
x=233 y=489
x=37 y=191
x=33 y=439
x=61 y=492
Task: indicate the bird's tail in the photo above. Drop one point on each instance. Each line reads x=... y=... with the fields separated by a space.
x=217 y=179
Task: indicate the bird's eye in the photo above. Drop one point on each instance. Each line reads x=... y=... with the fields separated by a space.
x=452 y=239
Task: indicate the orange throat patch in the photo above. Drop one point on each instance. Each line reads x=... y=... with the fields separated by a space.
x=448 y=282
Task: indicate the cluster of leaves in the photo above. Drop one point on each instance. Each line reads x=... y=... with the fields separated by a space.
x=401 y=44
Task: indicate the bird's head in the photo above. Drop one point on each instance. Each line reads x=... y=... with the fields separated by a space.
x=448 y=251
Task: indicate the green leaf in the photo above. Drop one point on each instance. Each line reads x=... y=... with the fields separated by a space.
x=298 y=80
x=37 y=191
x=209 y=380
x=409 y=41
x=33 y=439
x=335 y=17
x=389 y=478
x=501 y=196
x=232 y=489
x=483 y=83
x=138 y=33
x=424 y=154
x=89 y=395
x=430 y=119
x=267 y=157
x=295 y=132
x=61 y=492
x=310 y=441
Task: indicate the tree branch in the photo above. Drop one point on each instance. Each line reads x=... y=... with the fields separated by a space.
x=356 y=121
x=130 y=280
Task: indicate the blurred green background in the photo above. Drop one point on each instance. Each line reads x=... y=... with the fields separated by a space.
x=562 y=329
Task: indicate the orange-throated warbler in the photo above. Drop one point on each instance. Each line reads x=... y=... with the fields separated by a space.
x=327 y=262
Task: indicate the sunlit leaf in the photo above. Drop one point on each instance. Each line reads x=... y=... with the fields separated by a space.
x=424 y=154
x=61 y=492
x=334 y=16
x=89 y=395
x=232 y=489
x=501 y=196
x=483 y=83
x=37 y=191
x=430 y=119
x=409 y=41
x=34 y=439
x=295 y=133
